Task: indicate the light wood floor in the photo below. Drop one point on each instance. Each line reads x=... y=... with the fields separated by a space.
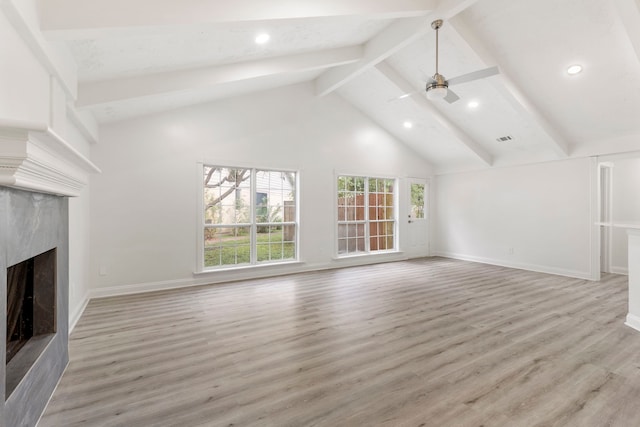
x=429 y=342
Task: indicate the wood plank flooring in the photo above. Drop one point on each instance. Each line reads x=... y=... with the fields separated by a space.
x=428 y=342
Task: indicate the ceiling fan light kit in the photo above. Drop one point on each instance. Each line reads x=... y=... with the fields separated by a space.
x=436 y=92
x=437 y=88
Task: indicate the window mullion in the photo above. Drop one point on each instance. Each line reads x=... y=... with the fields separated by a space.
x=252 y=210
x=367 y=224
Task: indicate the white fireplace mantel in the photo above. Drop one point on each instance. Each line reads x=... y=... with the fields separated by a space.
x=33 y=157
x=633 y=317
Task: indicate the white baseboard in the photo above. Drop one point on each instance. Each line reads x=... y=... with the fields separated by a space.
x=519 y=265
x=138 y=288
x=620 y=270
x=223 y=276
x=77 y=313
x=633 y=321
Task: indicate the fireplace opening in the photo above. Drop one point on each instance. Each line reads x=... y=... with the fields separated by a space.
x=31 y=301
x=19 y=306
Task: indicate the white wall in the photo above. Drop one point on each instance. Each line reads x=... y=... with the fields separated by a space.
x=535 y=217
x=24 y=84
x=625 y=208
x=29 y=93
x=79 y=211
x=144 y=204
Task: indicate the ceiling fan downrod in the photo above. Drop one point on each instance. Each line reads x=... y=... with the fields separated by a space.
x=436 y=25
x=437 y=88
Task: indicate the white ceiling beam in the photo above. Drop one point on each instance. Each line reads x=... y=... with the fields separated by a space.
x=470 y=44
x=392 y=39
x=106 y=91
x=629 y=11
x=82 y=18
x=390 y=73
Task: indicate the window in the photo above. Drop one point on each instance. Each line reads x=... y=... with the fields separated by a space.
x=366 y=215
x=249 y=216
x=417 y=201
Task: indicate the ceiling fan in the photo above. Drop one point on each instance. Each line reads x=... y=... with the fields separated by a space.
x=438 y=87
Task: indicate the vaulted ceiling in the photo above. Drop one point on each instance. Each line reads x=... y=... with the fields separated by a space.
x=137 y=57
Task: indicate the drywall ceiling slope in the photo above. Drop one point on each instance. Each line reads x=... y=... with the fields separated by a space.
x=157 y=57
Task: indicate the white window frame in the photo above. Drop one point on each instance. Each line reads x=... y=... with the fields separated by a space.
x=253 y=224
x=368 y=251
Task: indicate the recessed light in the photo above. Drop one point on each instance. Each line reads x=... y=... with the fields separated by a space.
x=407 y=124
x=574 y=69
x=262 y=38
x=473 y=104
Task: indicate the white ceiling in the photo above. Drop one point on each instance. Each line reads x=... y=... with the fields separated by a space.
x=157 y=55
x=156 y=49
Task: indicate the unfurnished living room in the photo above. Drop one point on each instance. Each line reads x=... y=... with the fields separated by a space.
x=320 y=213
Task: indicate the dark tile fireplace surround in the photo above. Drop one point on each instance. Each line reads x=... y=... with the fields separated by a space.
x=34 y=282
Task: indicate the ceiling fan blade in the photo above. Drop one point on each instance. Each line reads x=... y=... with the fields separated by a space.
x=404 y=95
x=451 y=96
x=480 y=74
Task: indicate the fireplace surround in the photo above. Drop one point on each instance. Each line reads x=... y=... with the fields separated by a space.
x=32 y=224
x=39 y=170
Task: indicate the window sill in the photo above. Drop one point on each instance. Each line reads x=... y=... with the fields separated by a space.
x=385 y=254
x=219 y=270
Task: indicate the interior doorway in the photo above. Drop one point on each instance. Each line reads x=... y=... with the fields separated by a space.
x=615 y=209
x=605 y=206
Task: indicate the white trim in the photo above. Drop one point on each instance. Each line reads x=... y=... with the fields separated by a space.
x=519 y=265
x=249 y=273
x=199 y=183
x=224 y=162
x=334 y=201
x=366 y=221
x=253 y=229
x=607 y=213
x=619 y=270
x=298 y=209
x=252 y=224
x=369 y=255
x=34 y=158
x=138 y=288
x=212 y=271
x=594 y=215
x=633 y=321
x=77 y=313
x=630 y=225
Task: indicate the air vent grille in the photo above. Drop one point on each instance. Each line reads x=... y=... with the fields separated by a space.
x=504 y=138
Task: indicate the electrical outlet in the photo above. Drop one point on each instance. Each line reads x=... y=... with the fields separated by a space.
x=102 y=271
x=511 y=251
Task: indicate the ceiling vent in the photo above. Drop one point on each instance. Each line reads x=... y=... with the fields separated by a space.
x=504 y=138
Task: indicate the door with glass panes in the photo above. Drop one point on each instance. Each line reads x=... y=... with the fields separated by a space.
x=417 y=221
